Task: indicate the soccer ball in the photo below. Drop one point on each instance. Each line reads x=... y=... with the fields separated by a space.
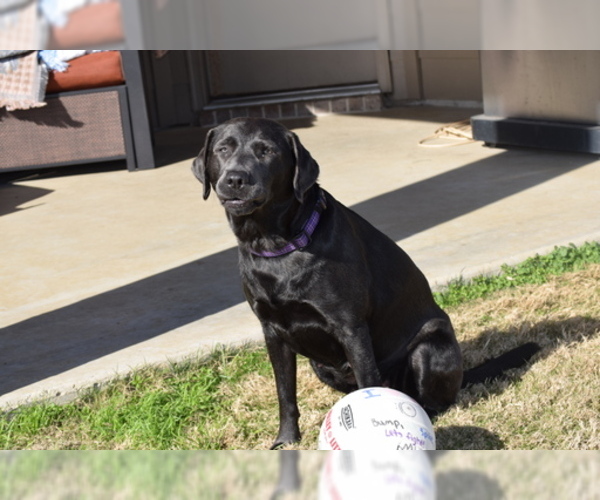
x=376 y=418
x=375 y=474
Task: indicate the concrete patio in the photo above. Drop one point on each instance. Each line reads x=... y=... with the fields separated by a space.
x=103 y=271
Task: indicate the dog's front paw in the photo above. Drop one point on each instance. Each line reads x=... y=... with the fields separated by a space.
x=286 y=437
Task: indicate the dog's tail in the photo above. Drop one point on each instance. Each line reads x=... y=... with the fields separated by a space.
x=494 y=368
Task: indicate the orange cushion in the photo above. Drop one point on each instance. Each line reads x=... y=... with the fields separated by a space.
x=100 y=69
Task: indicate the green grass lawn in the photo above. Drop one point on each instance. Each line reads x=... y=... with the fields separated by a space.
x=227 y=400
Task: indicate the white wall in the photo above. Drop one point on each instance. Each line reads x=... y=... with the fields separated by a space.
x=540 y=24
x=252 y=24
x=362 y=24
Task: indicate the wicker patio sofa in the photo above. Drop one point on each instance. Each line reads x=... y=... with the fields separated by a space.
x=95 y=112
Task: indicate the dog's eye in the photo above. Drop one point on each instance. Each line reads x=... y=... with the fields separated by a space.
x=264 y=151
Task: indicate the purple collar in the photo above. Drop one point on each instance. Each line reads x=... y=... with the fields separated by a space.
x=304 y=237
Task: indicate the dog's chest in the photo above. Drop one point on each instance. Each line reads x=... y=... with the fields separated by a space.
x=302 y=323
x=283 y=298
x=292 y=305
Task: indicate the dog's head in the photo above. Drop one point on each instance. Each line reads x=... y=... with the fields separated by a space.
x=251 y=162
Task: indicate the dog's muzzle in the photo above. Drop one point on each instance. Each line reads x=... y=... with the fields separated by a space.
x=238 y=193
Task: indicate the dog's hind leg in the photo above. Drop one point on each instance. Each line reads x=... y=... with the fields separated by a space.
x=433 y=369
x=359 y=370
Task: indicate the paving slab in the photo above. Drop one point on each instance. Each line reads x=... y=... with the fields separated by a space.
x=105 y=271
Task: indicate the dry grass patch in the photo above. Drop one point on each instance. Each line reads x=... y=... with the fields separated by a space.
x=207 y=475
x=555 y=403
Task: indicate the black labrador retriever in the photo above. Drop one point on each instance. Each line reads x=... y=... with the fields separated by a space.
x=325 y=283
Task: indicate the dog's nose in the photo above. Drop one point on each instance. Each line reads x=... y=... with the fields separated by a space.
x=237 y=179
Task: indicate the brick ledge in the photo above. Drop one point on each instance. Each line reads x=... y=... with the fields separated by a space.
x=299 y=109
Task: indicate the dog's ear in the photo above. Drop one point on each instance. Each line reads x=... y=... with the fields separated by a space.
x=307 y=169
x=200 y=165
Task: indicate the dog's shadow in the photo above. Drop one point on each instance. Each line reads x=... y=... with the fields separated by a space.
x=549 y=334
x=453 y=437
x=466 y=484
